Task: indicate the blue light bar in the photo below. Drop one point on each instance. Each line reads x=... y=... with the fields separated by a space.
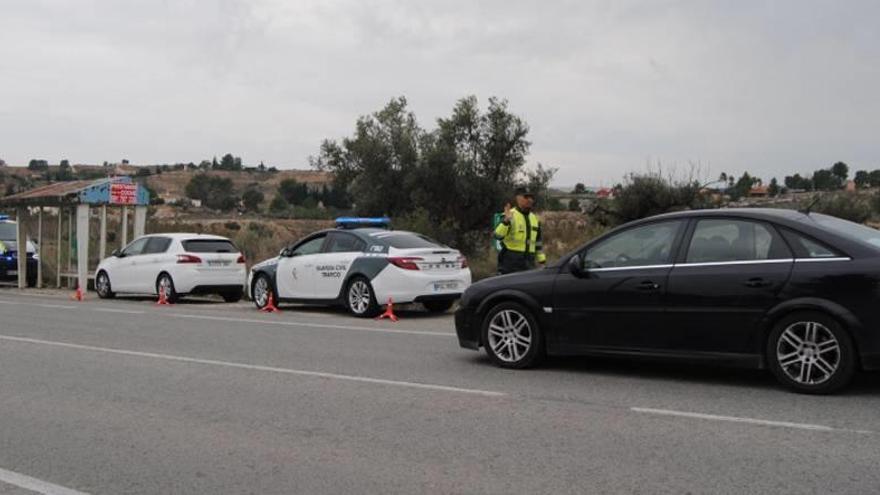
x=357 y=222
x=4 y=217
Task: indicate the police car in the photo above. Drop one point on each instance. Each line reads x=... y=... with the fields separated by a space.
x=360 y=265
x=9 y=253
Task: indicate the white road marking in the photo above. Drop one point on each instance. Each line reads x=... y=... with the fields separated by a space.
x=751 y=421
x=255 y=367
x=244 y=320
x=310 y=325
x=113 y=310
x=35 y=485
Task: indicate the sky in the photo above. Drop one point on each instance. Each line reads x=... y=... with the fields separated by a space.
x=607 y=87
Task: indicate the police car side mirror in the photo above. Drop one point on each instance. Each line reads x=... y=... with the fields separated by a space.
x=285 y=253
x=576 y=266
x=116 y=253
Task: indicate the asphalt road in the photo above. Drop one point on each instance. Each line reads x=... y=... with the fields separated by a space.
x=114 y=397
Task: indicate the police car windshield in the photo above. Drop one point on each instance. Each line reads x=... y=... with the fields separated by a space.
x=7 y=231
x=406 y=240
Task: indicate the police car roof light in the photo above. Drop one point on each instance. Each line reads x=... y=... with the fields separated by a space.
x=358 y=222
x=4 y=217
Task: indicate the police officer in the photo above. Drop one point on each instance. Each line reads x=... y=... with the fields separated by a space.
x=520 y=235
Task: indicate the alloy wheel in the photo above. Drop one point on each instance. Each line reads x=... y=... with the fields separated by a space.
x=359 y=296
x=808 y=353
x=510 y=335
x=261 y=292
x=103 y=284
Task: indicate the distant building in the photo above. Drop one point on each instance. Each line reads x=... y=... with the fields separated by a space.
x=759 y=192
x=850 y=186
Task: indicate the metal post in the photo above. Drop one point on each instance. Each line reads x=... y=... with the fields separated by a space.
x=40 y=249
x=58 y=249
x=140 y=221
x=70 y=247
x=124 y=228
x=21 y=241
x=82 y=246
x=102 y=244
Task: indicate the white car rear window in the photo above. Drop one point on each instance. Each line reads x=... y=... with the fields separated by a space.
x=209 y=246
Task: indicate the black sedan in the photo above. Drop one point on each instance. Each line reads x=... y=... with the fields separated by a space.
x=798 y=293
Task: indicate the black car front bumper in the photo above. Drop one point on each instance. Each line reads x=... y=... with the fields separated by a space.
x=467 y=326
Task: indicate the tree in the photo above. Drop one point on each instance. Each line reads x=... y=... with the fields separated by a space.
x=278 y=205
x=214 y=192
x=292 y=191
x=874 y=178
x=574 y=205
x=64 y=164
x=862 y=178
x=579 y=188
x=252 y=199
x=825 y=180
x=840 y=170
x=773 y=188
x=38 y=165
x=456 y=175
x=742 y=186
x=65 y=173
x=2 y=162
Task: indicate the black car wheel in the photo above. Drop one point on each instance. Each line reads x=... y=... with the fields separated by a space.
x=810 y=352
x=102 y=286
x=511 y=336
x=260 y=291
x=360 y=298
x=438 y=306
x=166 y=283
x=232 y=296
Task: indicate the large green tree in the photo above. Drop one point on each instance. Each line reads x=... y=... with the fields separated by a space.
x=458 y=174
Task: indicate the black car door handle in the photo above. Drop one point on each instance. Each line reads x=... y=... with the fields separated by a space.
x=648 y=285
x=757 y=283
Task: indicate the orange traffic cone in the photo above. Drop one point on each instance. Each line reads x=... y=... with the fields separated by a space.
x=270 y=305
x=163 y=299
x=389 y=312
x=78 y=294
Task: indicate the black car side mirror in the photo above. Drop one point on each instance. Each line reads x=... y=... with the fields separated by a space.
x=576 y=266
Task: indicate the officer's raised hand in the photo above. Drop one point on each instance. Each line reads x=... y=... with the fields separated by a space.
x=508 y=213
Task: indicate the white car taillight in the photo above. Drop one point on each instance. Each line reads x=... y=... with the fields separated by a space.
x=188 y=258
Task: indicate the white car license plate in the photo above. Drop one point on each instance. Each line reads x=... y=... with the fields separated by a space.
x=218 y=262
x=438 y=286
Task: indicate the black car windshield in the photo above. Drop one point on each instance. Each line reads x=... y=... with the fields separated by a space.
x=849 y=229
x=7 y=231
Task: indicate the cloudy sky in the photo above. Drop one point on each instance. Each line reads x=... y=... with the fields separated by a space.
x=606 y=86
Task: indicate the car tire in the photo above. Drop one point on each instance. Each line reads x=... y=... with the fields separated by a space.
x=438 y=306
x=512 y=337
x=810 y=352
x=103 y=287
x=232 y=296
x=360 y=299
x=261 y=287
x=171 y=294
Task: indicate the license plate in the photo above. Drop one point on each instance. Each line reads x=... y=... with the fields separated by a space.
x=218 y=262
x=440 y=266
x=11 y=272
x=445 y=286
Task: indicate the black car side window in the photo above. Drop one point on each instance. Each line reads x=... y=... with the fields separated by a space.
x=724 y=240
x=805 y=247
x=640 y=246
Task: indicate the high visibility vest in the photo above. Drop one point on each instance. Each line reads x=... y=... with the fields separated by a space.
x=522 y=235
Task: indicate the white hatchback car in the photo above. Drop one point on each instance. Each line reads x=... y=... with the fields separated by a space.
x=180 y=263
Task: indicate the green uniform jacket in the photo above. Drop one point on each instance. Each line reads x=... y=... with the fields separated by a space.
x=522 y=235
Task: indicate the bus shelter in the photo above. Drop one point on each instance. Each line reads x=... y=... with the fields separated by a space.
x=75 y=200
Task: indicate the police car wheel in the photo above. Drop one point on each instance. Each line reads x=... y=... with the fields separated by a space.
x=511 y=336
x=102 y=286
x=167 y=283
x=260 y=291
x=360 y=299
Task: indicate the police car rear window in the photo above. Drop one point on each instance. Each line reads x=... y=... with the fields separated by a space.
x=209 y=246
x=409 y=241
